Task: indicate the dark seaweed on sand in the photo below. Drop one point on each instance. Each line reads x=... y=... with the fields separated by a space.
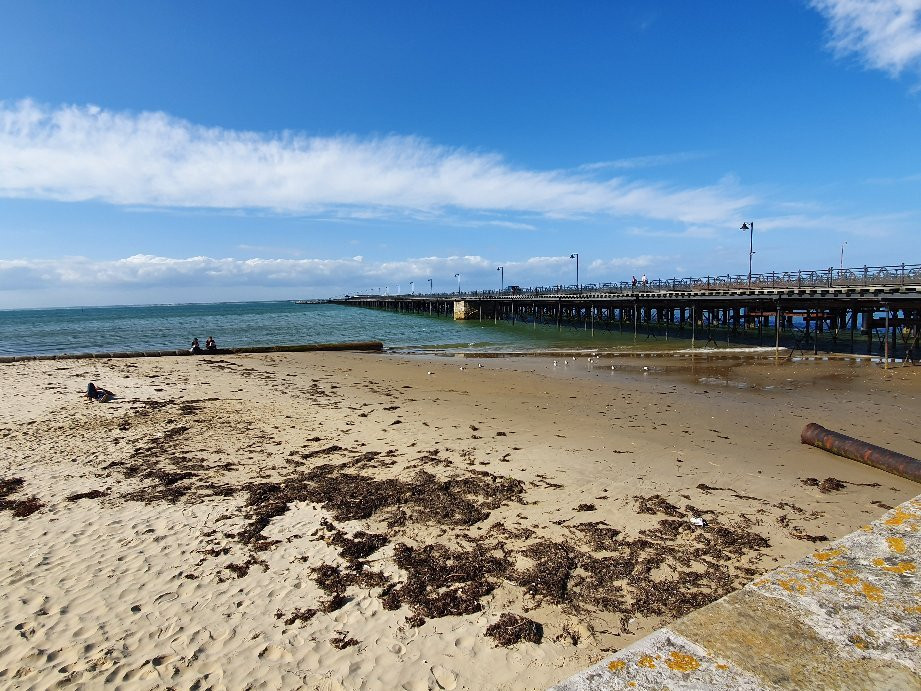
x=829 y=484
x=360 y=545
x=341 y=642
x=296 y=615
x=92 y=494
x=548 y=578
x=442 y=581
x=656 y=504
x=10 y=485
x=20 y=507
x=513 y=628
x=423 y=498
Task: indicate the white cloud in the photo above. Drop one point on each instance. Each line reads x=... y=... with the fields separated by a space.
x=646 y=161
x=74 y=153
x=886 y=34
x=868 y=226
x=237 y=278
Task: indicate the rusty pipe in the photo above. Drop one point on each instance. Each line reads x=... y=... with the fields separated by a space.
x=869 y=454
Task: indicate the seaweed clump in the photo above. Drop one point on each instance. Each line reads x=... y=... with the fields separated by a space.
x=829 y=484
x=20 y=507
x=92 y=494
x=513 y=628
x=442 y=581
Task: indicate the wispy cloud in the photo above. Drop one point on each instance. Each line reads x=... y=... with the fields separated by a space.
x=905 y=179
x=76 y=153
x=884 y=34
x=869 y=226
x=689 y=232
x=646 y=161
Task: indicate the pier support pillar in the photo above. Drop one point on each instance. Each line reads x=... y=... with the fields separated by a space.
x=464 y=309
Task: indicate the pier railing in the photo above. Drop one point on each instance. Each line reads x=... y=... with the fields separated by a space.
x=858 y=277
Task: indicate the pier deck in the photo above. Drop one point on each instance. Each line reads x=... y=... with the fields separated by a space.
x=871 y=319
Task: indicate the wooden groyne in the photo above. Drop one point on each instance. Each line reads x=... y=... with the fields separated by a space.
x=297 y=348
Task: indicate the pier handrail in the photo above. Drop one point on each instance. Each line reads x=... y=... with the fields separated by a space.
x=854 y=277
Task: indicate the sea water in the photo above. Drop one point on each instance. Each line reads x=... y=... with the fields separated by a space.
x=170 y=327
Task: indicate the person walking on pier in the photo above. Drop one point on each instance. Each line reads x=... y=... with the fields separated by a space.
x=645 y=282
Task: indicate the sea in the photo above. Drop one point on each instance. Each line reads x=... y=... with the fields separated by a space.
x=243 y=324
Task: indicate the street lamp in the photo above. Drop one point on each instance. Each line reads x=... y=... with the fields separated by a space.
x=501 y=270
x=430 y=286
x=457 y=276
x=576 y=257
x=750 y=227
x=412 y=287
x=842 y=255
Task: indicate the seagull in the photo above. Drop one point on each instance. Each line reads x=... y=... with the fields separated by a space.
x=430 y=373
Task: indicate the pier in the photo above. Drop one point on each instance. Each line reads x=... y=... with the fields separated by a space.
x=870 y=310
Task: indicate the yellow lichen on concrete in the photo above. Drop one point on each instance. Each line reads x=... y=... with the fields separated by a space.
x=902 y=567
x=828 y=554
x=721 y=666
x=615 y=665
x=901 y=515
x=916 y=609
x=872 y=593
x=912 y=638
x=681 y=662
x=791 y=585
x=647 y=661
x=896 y=544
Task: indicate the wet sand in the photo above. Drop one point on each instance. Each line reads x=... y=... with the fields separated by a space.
x=327 y=520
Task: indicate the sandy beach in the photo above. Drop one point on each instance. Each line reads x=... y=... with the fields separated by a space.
x=385 y=521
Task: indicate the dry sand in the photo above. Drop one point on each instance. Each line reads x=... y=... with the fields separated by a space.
x=327 y=520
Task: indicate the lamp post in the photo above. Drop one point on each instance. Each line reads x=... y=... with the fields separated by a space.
x=842 y=255
x=575 y=256
x=457 y=276
x=430 y=286
x=750 y=227
x=412 y=287
x=501 y=270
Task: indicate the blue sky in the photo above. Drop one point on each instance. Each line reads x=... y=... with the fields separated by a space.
x=163 y=152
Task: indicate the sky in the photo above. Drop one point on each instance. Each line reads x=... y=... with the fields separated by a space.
x=221 y=151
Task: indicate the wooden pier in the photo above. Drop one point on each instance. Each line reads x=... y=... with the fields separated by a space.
x=878 y=317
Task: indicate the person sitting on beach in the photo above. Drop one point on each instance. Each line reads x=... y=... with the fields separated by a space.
x=195 y=349
x=97 y=393
x=210 y=345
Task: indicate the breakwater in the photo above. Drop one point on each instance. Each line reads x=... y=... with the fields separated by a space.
x=298 y=348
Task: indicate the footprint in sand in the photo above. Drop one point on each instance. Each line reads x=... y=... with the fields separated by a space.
x=445 y=678
x=273 y=653
x=415 y=686
x=166 y=597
